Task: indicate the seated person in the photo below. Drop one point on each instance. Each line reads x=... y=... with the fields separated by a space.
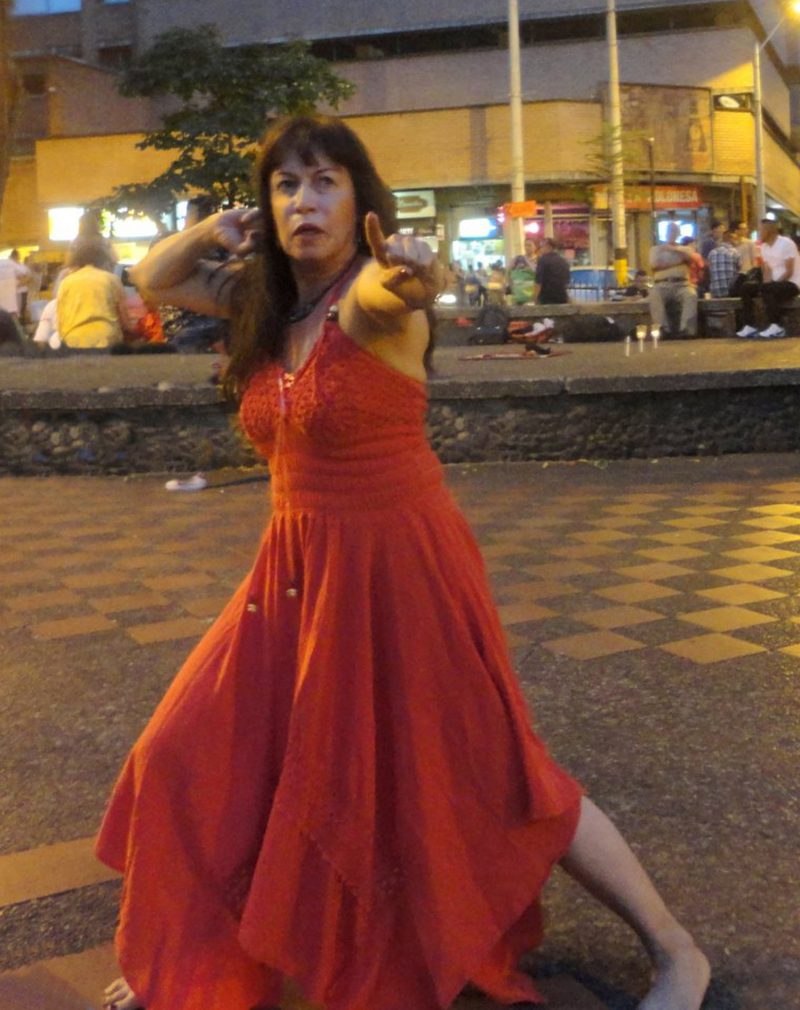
x=9 y=330
x=672 y=288
x=780 y=264
x=47 y=328
x=639 y=288
x=724 y=266
x=92 y=309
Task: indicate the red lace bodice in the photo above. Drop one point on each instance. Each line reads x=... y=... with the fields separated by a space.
x=344 y=429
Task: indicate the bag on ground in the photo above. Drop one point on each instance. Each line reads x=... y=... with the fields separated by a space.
x=590 y=329
x=491 y=326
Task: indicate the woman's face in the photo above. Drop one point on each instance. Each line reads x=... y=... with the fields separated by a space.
x=314 y=208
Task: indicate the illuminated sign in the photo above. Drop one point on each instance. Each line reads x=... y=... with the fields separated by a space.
x=477 y=227
x=740 y=101
x=62 y=223
x=641 y=197
x=522 y=208
x=415 y=203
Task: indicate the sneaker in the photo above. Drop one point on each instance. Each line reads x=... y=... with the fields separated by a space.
x=772 y=332
x=195 y=483
x=747 y=332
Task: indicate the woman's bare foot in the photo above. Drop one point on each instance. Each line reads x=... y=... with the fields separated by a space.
x=680 y=977
x=120 y=996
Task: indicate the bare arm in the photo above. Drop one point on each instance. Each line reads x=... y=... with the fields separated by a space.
x=384 y=308
x=176 y=272
x=125 y=320
x=662 y=257
x=393 y=289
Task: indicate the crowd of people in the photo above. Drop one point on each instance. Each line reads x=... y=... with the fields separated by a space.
x=93 y=304
x=728 y=264
x=540 y=277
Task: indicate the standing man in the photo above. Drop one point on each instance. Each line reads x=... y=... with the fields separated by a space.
x=745 y=246
x=13 y=279
x=552 y=276
x=672 y=287
x=710 y=241
x=724 y=265
x=780 y=263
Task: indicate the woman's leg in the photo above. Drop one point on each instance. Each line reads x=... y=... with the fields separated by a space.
x=602 y=862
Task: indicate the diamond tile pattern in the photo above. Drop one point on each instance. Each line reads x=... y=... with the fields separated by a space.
x=703 y=572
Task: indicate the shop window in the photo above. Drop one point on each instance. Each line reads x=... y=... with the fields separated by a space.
x=45 y=6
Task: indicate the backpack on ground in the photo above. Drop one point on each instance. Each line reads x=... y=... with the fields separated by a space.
x=590 y=329
x=491 y=325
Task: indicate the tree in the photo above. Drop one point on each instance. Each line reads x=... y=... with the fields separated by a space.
x=10 y=96
x=220 y=102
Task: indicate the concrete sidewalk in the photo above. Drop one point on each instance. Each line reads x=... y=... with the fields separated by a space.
x=652 y=610
x=687 y=363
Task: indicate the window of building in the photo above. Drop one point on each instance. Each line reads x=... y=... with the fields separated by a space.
x=114 y=57
x=658 y=18
x=34 y=84
x=45 y=6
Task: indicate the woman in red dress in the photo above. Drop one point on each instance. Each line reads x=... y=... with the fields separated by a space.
x=342 y=787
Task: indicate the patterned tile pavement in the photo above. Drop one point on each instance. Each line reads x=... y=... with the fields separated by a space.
x=622 y=588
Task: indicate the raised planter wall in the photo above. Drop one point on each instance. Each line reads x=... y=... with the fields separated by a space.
x=146 y=431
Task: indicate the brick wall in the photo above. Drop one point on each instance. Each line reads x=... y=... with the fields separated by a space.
x=86 y=101
x=472 y=146
x=22 y=219
x=734 y=143
x=81 y=169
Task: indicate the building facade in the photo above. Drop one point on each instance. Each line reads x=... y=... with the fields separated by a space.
x=431 y=104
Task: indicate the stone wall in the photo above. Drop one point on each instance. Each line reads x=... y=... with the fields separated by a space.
x=618 y=425
x=147 y=440
x=466 y=428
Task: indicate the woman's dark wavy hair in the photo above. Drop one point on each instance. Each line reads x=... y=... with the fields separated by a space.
x=265 y=292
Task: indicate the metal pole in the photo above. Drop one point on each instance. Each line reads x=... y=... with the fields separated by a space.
x=651 y=153
x=515 y=244
x=617 y=166
x=761 y=196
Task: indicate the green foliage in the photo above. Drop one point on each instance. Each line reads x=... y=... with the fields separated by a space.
x=600 y=155
x=218 y=101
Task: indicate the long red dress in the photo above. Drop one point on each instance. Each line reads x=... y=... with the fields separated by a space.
x=341 y=786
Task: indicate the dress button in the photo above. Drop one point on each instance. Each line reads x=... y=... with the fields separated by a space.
x=291 y=592
x=251 y=608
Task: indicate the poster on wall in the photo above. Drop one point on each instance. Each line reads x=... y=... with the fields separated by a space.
x=678 y=120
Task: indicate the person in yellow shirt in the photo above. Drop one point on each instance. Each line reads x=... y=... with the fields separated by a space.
x=91 y=308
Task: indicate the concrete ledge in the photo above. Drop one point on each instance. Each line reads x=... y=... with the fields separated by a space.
x=717 y=316
x=584 y=401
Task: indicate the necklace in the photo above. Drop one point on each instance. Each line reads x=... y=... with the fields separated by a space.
x=304 y=309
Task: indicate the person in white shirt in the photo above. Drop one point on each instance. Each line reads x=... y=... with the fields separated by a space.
x=13 y=277
x=780 y=265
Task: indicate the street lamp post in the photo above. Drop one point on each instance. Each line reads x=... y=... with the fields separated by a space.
x=619 y=237
x=651 y=143
x=513 y=226
x=758 y=111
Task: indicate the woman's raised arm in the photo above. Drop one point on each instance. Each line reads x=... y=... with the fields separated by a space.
x=176 y=272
